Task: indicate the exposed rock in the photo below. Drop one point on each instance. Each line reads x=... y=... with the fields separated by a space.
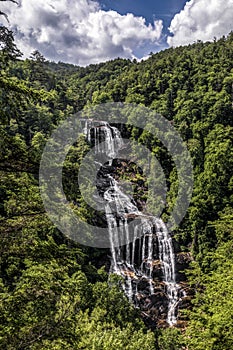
x=181 y=324
x=183 y=260
x=130 y=274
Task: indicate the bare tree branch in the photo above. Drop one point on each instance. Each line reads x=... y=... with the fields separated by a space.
x=11 y=1
x=3 y=13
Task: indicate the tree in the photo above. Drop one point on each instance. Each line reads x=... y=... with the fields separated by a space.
x=211 y=322
x=37 y=56
x=8 y=49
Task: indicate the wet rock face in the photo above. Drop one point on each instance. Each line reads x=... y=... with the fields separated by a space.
x=157 y=270
x=155 y=307
x=102 y=178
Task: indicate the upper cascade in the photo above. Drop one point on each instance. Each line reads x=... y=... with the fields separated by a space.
x=137 y=248
x=107 y=139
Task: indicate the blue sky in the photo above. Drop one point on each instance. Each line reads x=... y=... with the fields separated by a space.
x=150 y=9
x=90 y=31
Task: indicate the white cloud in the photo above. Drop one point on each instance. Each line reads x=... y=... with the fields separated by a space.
x=78 y=31
x=201 y=20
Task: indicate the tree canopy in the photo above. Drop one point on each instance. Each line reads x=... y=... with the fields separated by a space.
x=53 y=292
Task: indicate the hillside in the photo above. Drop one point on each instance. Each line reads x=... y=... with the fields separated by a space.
x=55 y=293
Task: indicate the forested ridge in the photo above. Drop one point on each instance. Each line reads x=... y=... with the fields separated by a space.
x=55 y=293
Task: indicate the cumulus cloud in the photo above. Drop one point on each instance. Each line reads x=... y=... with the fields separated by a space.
x=201 y=20
x=78 y=31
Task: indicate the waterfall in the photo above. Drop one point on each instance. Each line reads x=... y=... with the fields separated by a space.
x=133 y=253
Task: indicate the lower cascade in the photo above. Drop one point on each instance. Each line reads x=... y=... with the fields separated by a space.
x=138 y=242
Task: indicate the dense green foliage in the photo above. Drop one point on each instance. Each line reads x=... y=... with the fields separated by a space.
x=52 y=293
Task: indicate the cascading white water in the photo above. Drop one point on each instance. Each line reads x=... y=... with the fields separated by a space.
x=87 y=130
x=107 y=139
x=133 y=256
x=166 y=256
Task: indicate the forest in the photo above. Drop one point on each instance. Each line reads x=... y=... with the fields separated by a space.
x=57 y=294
